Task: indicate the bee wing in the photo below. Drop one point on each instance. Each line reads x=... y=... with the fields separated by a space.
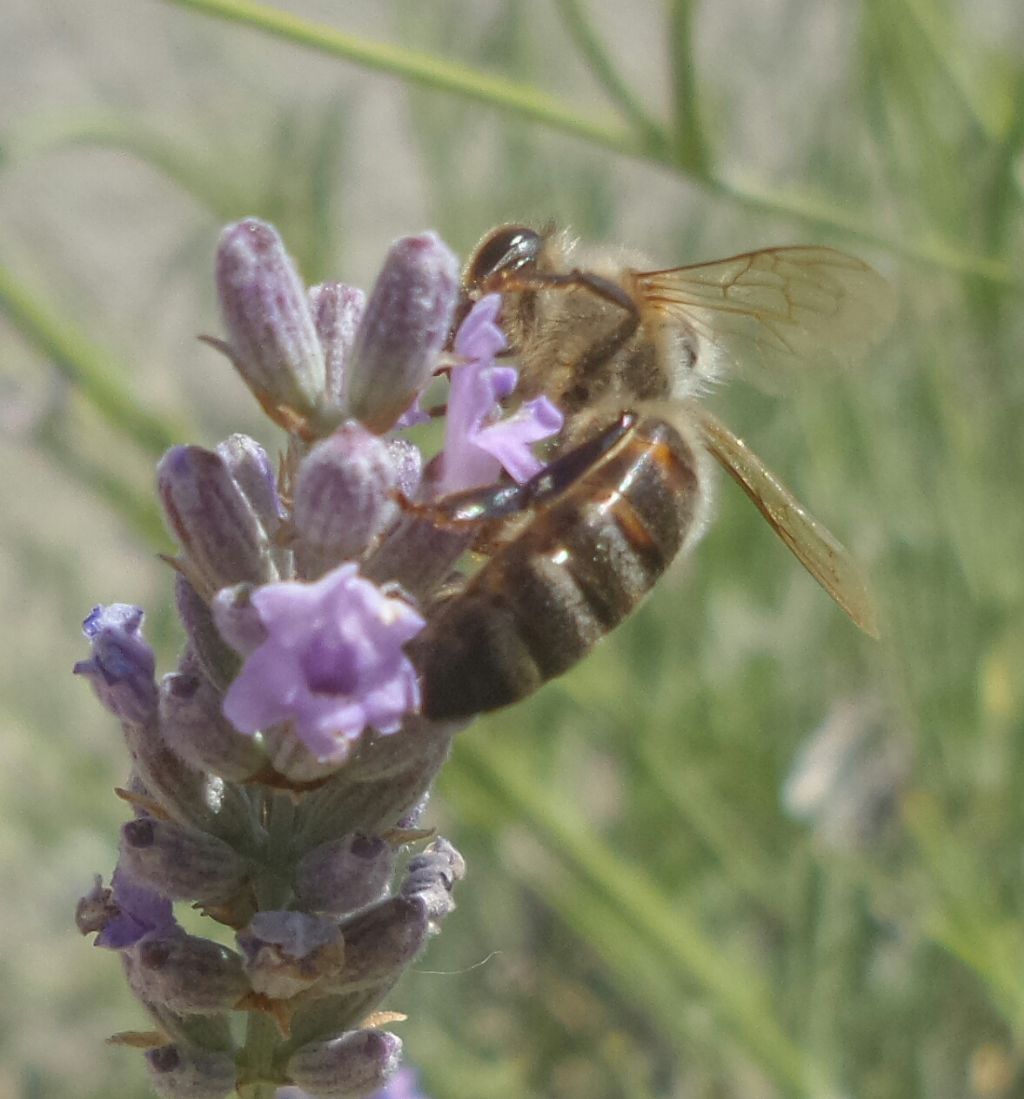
x=777 y=307
x=824 y=557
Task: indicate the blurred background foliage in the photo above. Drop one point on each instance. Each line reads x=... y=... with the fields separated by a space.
x=742 y=850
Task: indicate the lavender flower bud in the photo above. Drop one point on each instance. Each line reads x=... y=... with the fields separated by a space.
x=380 y=942
x=272 y=338
x=181 y=863
x=288 y=952
x=122 y=662
x=403 y=329
x=343 y=499
x=208 y=647
x=250 y=469
x=337 y=311
x=418 y=554
x=238 y=621
x=188 y=796
x=187 y=974
x=344 y=874
x=193 y=726
x=186 y=1072
x=420 y=745
x=432 y=875
x=349 y=1067
x=214 y=523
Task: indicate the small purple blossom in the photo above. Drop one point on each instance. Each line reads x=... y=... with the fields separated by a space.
x=133 y=911
x=478 y=445
x=122 y=663
x=332 y=663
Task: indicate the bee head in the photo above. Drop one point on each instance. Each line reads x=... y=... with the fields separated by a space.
x=505 y=252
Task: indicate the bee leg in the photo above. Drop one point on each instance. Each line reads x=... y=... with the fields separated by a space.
x=493 y=502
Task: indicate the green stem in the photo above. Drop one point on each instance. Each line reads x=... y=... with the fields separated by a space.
x=653 y=137
x=947 y=49
x=419 y=68
x=526 y=102
x=689 y=145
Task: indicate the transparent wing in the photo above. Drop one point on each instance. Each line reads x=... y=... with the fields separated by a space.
x=824 y=557
x=775 y=308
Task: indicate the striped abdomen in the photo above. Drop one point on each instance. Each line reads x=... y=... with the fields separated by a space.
x=584 y=561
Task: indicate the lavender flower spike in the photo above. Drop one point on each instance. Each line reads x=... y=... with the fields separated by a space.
x=403 y=329
x=266 y=787
x=332 y=663
x=477 y=445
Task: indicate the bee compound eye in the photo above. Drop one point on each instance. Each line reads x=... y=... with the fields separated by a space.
x=502 y=253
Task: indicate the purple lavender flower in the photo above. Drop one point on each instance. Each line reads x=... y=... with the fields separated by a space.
x=122 y=663
x=478 y=445
x=332 y=663
x=125 y=913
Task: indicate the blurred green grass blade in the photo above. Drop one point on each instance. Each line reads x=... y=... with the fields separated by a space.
x=136 y=509
x=420 y=68
x=822 y=215
x=968 y=919
x=323 y=190
x=577 y=21
x=986 y=92
x=689 y=143
x=206 y=184
x=676 y=940
x=737 y=850
x=86 y=367
x=528 y=102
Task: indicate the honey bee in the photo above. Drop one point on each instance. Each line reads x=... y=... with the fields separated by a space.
x=625 y=352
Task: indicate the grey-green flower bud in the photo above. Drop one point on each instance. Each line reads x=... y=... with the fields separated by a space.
x=193 y=726
x=405 y=326
x=250 y=469
x=337 y=311
x=288 y=952
x=188 y=796
x=343 y=499
x=214 y=523
x=344 y=874
x=187 y=974
x=181 y=863
x=213 y=651
x=272 y=339
x=186 y=1072
x=432 y=875
x=354 y=1065
x=380 y=942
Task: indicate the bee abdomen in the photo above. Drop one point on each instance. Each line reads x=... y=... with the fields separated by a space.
x=542 y=602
